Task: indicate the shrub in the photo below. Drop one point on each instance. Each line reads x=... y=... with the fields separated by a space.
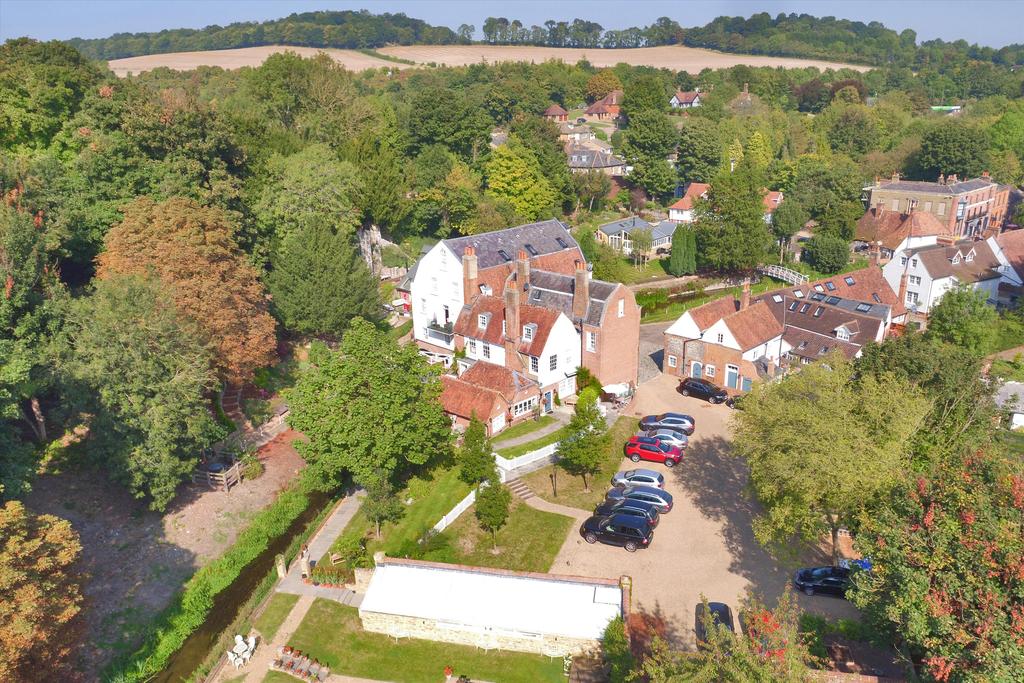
x=585 y=378
x=827 y=254
x=616 y=652
x=252 y=467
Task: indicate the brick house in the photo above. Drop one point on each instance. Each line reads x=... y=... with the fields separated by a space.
x=967 y=207
x=496 y=395
x=556 y=113
x=887 y=233
x=607 y=107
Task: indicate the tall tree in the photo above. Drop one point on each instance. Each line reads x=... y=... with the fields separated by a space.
x=492 y=506
x=855 y=432
x=788 y=219
x=602 y=83
x=370 y=410
x=644 y=93
x=954 y=148
x=731 y=232
x=514 y=175
x=581 y=452
x=592 y=188
x=320 y=283
x=827 y=254
x=758 y=150
x=476 y=455
x=700 y=151
x=683 y=259
x=193 y=251
x=138 y=372
x=41 y=590
x=964 y=318
x=948 y=568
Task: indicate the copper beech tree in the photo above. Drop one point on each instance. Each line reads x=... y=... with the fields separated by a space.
x=192 y=250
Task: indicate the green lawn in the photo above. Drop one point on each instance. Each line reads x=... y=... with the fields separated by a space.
x=677 y=308
x=523 y=428
x=652 y=271
x=332 y=633
x=401 y=330
x=1009 y=332
x=433 y=496
x=523 y=449
x=570 y=489
x=274 y=615
x=528 y=542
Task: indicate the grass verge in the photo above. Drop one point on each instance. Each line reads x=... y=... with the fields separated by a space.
x=389 y=58
x=274 y=615
x=333 y=634
x=523 y=449
x=677 y=308
x=570 y=488
x=523 y=428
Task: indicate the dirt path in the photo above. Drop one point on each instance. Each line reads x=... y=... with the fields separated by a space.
x=135 y=560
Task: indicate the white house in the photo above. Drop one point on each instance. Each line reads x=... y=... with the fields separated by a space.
x=685 y=99
x=682 y=210
x=923 y=275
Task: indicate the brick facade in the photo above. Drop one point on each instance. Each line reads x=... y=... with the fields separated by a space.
x=985 y=202
x=696 y=350
x=616 y=357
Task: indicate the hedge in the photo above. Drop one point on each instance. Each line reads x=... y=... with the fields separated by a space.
x=191 y=607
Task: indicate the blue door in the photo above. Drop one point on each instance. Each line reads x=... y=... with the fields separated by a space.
x=548 y=402
x=732 y=377
x=696 y=369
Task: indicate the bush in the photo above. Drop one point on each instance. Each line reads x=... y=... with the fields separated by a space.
x=827 y=254
x=252 y=467
x=585 y=378
x=616 y=652
x=652 y=298
x=193 y=605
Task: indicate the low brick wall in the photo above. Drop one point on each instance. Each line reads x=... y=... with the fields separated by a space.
x=428 y=629
x=840 y=677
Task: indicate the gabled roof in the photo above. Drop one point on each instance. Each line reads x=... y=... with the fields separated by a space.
x=942 y=261
x=580 y=156
x=753 y=325
x=866 y=284
x=468 y=325
x=947 y=189
x=626 y=225
x=892 y=227
x=687 y=96
x=511 y=384
x=465 y=399
x=1012 y=244
x=558 y=262
x=771 y=200
x=663 y=229
x=693 y=191
x=555 y=290
x=555 y=110
x=545 y=237
x=708 y=314
x=814 y=321
x=609 y=104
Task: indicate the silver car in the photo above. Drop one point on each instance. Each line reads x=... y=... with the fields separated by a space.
x=669 y=436
x=639 y=476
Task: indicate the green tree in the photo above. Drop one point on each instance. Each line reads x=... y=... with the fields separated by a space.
x=700 y=151
x=758 y=150
x=476 y=455
x=615 y=651
x=788 y=219
x=839 y=219
x=954 y=148
x=964 y=318
x=320 y=283
x=462 y=125
x=42 y=593
x=683 y=258
x=492 y=506
x=856 y=433
x=513 y=175
x=581 y=451
x=827 y=254
x=138 y=372
x=602 y=83
x=644 y=93
x=731 y=232
x=370 y=410
x=592 y=187
x=852 y=131
x=650 y=134
x=382 y=503
x=948 y=575
x=654 y=175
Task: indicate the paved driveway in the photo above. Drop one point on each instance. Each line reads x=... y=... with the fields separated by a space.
x=706 y=544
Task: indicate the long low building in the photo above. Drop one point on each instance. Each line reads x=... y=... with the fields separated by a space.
x=491 y=608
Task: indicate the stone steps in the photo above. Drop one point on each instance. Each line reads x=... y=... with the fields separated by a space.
x=519 y=489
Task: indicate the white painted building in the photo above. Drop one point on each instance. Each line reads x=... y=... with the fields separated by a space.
x=923 y=275
x=437 y=296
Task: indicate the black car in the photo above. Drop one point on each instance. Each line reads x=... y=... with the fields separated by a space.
x=633 y=508
x=631 y=533
x=701 y=388
x=826 y=580
x=720 y=614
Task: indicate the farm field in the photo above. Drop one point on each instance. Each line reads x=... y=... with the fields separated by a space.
x=675 y=57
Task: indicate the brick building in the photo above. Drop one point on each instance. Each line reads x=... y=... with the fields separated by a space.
x=966 y=207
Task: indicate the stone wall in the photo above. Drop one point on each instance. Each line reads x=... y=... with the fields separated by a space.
x=488 y=639
x=839 y=677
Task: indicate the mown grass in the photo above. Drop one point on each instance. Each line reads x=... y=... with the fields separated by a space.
x=523 y=428
x=570 y=489
x=523 y=449
x=274 y=615
x=333 y=634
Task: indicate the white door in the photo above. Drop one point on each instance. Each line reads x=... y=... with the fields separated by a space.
x=497 y=424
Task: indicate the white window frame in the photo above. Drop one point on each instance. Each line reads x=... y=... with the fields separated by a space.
x=672 y=361
x=914 y=279
x=709 y=370
x=913 y=298
x=527 y=332
x=524 y=407
x=481 y=321
x=471 y=346
x=485 y=350
x=553 y=362
x=592 y=341
x=534 y=364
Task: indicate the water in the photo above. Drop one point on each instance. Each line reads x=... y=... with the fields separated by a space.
x=229 y=601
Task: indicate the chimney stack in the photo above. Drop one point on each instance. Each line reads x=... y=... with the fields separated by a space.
x=879 y=208
x=951 y=179
x=895 y=176
x=874 y=253
x=522 y=269
x=469 y=274
x=512 y=329
x=942 y=179
x=745 y=294
x=746 y=88
x=985 y=175
x=903 y=287
x=581 y=291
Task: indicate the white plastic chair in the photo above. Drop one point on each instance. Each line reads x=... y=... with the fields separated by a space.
x=251 y=643
x=234 y=659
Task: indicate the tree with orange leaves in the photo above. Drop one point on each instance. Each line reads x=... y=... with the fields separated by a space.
x=192 y=250
x=39 y=592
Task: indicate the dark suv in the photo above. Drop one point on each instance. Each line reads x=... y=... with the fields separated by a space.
x=701 y=388
x=629 y=532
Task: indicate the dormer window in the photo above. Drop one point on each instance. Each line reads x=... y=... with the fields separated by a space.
x=842 y=333
x=530 y=248
x=482 y=320
x=970 y=256
x=956 y=259
x=528 y=331
x=504 y=254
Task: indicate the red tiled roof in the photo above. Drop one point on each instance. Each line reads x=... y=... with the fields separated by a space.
x=1012 y=244
x=892 y=227
x=544 y=319
x=468 y=324
x=512 y=386
x=687 y=96
x=464 y=399
x=867 y=282
x=556 y=262
x=772 y=200
x=753 y=326
x=554 y=110
x=693 y=191
x=708 y=314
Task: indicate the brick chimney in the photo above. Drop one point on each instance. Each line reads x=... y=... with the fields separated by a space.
x=903 y=287
x=879 y=208
x=581 y=291
x=895 y=176
x=951 y=179
x=522 y=269
x=874 y=253
x=942 y=179
x=469 y=274
x=985 y=175
x=512 y=329
x=745 y=295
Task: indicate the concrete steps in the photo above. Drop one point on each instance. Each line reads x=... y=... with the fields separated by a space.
x=519 y=489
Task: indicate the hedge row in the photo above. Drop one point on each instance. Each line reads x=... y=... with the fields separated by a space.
x=191 y=607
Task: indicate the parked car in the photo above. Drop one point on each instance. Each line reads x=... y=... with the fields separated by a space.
x=701 y=388
x=581 y=120
x=646 y=448
x=632 y=533
x=673 y=437
x=826 y=580
x=720 y=614
x=641 y=477
x=634 y=508
x=647 y=494
x=678 y=421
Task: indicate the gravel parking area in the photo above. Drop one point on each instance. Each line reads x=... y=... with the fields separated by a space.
x=706 y=544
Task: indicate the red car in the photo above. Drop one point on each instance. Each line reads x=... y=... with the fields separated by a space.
x=648 y=448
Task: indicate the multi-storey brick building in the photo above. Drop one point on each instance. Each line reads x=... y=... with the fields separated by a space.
x=965 y=207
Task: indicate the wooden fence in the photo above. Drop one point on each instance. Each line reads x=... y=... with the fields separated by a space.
x=219 y=480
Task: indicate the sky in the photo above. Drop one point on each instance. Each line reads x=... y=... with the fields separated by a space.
x=987 y=22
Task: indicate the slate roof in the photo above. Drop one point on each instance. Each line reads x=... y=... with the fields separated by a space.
x=459 y=397
x=814 y=321
x=543 y=236
x=814 y=345
x=1012 y=244
x=558 y=262
x=555 y=290
x=925 y=186
x=588 y=157
x=938 y=261
x=626 y=225
x=663 y=229
x=892 y=227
